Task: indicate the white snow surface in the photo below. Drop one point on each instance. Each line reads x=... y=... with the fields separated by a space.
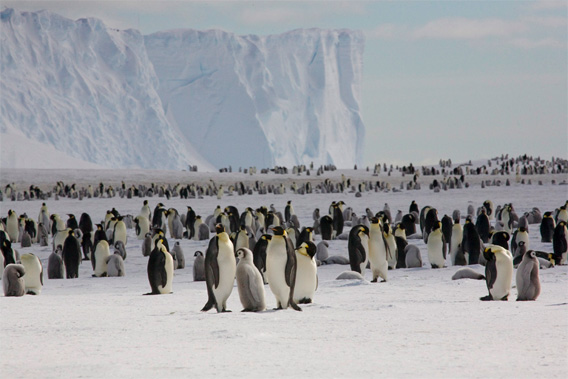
x=283 y=99
x=419 y=323
x=87 y=90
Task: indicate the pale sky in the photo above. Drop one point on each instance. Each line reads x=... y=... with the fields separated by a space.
x=441 y=79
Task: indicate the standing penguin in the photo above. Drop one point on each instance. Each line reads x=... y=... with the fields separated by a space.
x=71 y=255
x=13 y=281
x=306 y=273
x=437 y=246
x=34 y=273
x=377 y=251
x=160 y=269
x=392 y=255
x=147 y=245
x=456 y=252
x=547 y=226
x=55 y=269
x=281 y=269
x=179 y=257
x=259 y=255
x=498 y=272
x=326 y=227
x=102 y=252
x=119 y=231
x=483 y=226
x=142 y=226
x=249 y=283
x=12 y=226
x=471 y=243
x=198 y=267
x=288 y=211
x=305 y=235
x=220 y=269
x=409 y=223
x=190 y=222
x=527 y=279
x=241 y=238
x=338 y=221
x=358 y=247
x=560 y=243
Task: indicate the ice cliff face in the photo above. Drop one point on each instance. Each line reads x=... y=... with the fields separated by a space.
x=174 y=98
x=283 y=99
x=87 y=90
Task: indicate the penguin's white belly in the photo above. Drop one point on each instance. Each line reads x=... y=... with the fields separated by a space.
x=227 y=271
x=378 y=259
x=457 y=236
x=435 y=253
x=169 y=265
x=275 y=274
x=306 y=278
x=32 y=278
x=101 y=256
x=502 y=285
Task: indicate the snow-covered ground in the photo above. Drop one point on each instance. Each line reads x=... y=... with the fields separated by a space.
x=419 y=323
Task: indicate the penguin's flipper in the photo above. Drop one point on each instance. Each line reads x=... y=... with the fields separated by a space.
x=491 y=273
x=290 y=273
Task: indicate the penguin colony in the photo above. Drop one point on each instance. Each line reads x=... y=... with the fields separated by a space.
x=274 y=249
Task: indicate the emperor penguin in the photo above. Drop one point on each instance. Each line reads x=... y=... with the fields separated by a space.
x=13 y=281
x=409 y=223
x=71 y=255
x=55 y=269
x=119 y=232
x=147 y=245
x=145 y=210
x=259 y=255
x=115 y=265
x=242 y=238
x=547 y=226
x=198 y=267
x=377 y=251
x=281 y=267
x=392 y=255
x=34 y=273
x=488 y=205
x=142 y=226
x=507 y=218
x=436 y=246
x=102 y=252
x=43 y=217
x=220 y=270
x=307 y=234
x=456 y=252
x=306 y=273
x=527 y=278
x=498 y=272
x=520 y=235
x=562 y=214
x=160 y=269
x=326 y=227
x=288 y=211
x=358 y=248
x=249 y=282
x=560 y=243
x=483 y=226
x=190 y=222
x=471 y=243
x=413 y=256
x=12 y=226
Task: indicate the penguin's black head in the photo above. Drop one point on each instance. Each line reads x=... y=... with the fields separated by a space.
x=267 y=237
x=278 y=231
x=219 y=228
x=71 y=233
x=243 y=227
x=363 y=229
x=436 y=226
x=289 y=202
x=198 y=254
x=309 y=229
x=374 y=220
x=522 y=229
x=310 y=248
